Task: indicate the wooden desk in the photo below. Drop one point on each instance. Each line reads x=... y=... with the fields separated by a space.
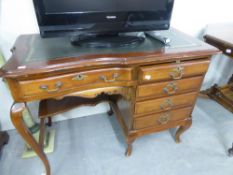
x=149 y=87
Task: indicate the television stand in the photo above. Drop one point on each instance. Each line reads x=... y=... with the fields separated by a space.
x=107 y=41
x=158 y=36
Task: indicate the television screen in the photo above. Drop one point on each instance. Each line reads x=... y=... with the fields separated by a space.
x=62 y=17
x=79 y=6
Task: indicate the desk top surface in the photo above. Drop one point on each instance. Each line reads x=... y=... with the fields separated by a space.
x=32 y=54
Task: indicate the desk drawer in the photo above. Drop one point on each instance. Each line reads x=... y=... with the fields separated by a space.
x=167 y=103
x=58 y=84
x=162 y=119
x=169 y=87
x=173 y=71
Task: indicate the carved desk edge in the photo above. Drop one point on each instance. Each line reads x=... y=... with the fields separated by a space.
x=15 y=67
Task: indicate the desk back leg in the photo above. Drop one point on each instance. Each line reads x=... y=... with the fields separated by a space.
x=110 y=112
x=17 y=120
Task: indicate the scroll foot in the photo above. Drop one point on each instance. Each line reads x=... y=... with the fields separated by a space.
x=182 y=129
x=129 y=148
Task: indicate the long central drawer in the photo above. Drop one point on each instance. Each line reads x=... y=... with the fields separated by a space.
x=56 y=85
x=163 y=104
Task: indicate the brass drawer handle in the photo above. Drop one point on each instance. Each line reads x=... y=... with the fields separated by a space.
x=80 y=77
x=168 y=104
x=57 y=86
x=171 y=88
x=164 y=119
x=177 y=73
x=114 y=78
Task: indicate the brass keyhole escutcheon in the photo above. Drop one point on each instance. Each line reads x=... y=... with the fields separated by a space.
x=80 y=77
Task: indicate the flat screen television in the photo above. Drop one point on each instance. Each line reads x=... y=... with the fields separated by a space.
x=101 y=17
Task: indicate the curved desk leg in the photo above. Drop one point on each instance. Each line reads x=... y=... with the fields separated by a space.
x=17 y=119
x=182 y=129
x=129 y=149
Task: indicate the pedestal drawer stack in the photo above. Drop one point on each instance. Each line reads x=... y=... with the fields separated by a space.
x=167 y=93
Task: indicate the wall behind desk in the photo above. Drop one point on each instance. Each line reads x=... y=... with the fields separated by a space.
x=190 y=16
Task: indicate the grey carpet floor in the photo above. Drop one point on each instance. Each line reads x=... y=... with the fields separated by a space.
x=95 y=145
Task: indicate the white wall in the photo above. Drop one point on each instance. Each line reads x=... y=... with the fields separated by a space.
x=191 y=16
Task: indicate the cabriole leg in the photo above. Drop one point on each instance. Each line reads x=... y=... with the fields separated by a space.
x=182 y=129
x=129 y=148
x=17 y=120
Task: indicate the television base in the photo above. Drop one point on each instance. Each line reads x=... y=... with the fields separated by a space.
x=107 y=41
x=159 y=37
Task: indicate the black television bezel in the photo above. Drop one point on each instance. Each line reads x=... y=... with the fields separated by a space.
x=71 y=24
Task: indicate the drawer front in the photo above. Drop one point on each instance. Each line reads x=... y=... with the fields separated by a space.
x=164 y=104
x=58 y=84
x=162 y=119
x=173 y=71
x=169 y=87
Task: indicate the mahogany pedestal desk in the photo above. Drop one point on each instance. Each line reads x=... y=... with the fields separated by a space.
x=149 y=87
x=221 y=36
